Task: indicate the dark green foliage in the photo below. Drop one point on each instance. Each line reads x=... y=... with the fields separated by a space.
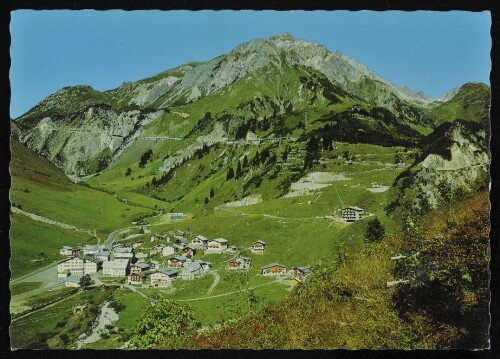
x=129 y=171
x=145 y=158
x=212 y=193
x=375 y=231
x=239 y=172
x=86 y=281
x=206 y=200
x=230 y=174
x=164 y=322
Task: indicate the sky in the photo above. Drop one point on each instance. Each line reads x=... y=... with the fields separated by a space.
x=432 y=52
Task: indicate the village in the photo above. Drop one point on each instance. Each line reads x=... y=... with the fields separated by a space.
x=124 y=261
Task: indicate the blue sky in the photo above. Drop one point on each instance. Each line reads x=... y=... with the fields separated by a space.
x=427 y=51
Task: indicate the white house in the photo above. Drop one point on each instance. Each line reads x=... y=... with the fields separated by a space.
x=73 y=265
x=352 y=214
x=273 y=269
x=157 y=237
x=217 y=245
x=177 y=261
x=116 y=268
x=73 y=281
x=91 y=265
x=139 y=267
x=89 y=250
x=68 y=251
x=258 y=246
x=163 y=278
x=123 y=252
x=239 y=263
x=191 y=271
x=199 y=241
x=168 y=251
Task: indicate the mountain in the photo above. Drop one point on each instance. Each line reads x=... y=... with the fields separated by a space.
x=265 y=87
x=453 y=164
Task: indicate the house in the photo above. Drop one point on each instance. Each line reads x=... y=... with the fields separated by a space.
x=231 y=249
x=91 y=265
x=163 y=278
x=89 y=250
x=141 y=255
x=137 y=244
x=352 y=214
x=74 y=265
x=68 y=251
x=178 y=233
x=73 y=281
x=116 y=268
x=168 y=251
x=123 y=253
x=239 y=263
x=205 y=266
x=299 y=275
x=157 y=237
x=157 y=249
x=273 y=269
x=217 y=245
x=103 y=255
x=177 y=261
x=191 y=271
x=258 y=246
x=199 y=242
x=154 y=265
x=139 y=267
x=189 y=252
x=138 y=278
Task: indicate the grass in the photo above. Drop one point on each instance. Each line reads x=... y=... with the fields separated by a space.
x=23 y=287
x=30 y=238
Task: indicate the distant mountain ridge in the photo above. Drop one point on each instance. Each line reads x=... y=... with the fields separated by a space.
x=276 y=76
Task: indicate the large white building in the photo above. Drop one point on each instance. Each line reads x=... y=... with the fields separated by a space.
x=116 y=268
x=123 y=253
x=80 y=265
x=352 y=214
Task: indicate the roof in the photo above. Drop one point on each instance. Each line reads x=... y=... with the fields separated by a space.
x=202 y=262
x=123 y=250
x=304 y=269
x=98 y=247
x=73 y=279
x=90 y=259
x=245 y=258
x=179 y=258
x=260 y=241
x=273 y=265
x=154 y=262
x=355 y=208
x=192 y=267
x=66 y=247
x=169 y=272
x=116 y=264
x=220 y=240
x=141 y=265
x=201 y=237
x=102 y=253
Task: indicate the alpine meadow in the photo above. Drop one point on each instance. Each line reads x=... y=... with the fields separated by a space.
x=279 y=196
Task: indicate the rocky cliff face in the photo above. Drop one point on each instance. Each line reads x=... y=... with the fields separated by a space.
x=455 y=162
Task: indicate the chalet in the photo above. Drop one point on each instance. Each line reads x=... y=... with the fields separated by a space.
x=273 y=269
x=168 y=251
x=73 y=281
x=123 y=253
x=91 y=264
x=177 y=261
x=68 y=251
x=300 y=271
x=138 y=278
x=239 y=263
x=191 y=271
x=352 y=214
x=90 y=250
x=258 y=246
x=154 y=265
x=199 y=242
x=137 y=244
x=231 y=249
x=156 y=249
x=163 y=278
x=139 y=267
x=103 y=256
x=178 y=233
x=116 y=268
x=217 y=245
x=157 y=237
x=189 y=252
x=205 y=266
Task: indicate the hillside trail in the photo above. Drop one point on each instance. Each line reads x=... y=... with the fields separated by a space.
x=216 y=281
